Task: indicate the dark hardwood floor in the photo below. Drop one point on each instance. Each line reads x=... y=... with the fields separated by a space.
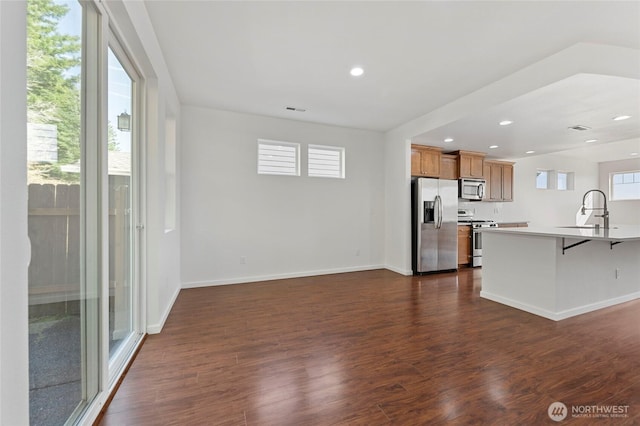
x=376 y=348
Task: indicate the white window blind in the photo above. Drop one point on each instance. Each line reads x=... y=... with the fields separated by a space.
x=326 y=161
x=278 y=158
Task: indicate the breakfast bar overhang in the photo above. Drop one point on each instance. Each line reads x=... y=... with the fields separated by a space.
x=561 y=272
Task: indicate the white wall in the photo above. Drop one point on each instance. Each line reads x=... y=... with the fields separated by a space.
x=612 y=60
x=162 y=249
x=397 y=205
x=283 y=226
x=547 y=207
x=623 y=211
x=14 y=246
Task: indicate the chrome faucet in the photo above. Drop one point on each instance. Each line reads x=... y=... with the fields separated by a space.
x=605 y=212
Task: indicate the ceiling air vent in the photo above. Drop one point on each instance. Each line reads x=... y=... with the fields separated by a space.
x=580 y=127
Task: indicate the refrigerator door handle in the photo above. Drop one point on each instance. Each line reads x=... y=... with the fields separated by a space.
x=438 y=208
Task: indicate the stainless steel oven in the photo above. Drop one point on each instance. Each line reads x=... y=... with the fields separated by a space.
x=466 y=217
x=476 y=240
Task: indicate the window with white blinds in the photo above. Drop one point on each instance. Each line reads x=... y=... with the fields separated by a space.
x=278 y=158
x=326 y=161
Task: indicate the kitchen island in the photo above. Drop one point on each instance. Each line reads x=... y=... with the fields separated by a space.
x=561 y=272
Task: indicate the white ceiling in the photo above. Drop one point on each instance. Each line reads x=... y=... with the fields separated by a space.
x=261 y=57
x=541 y=121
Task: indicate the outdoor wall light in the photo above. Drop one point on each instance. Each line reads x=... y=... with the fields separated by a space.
x=124 y=122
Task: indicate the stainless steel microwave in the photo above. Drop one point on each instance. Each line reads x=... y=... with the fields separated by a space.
x=471 y=189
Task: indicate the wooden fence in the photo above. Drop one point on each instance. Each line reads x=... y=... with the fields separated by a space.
x=54 y=231
x=55 y=235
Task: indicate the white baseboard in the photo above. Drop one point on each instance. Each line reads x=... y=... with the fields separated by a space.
x=255 y=278
x=599 y=305
x=157 y=328
x=519 y=305
x=558 y=316
x=400 y=271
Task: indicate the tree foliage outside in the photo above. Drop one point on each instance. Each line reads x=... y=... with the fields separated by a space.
x=112 y=138
x=53 y=80
x=53 y=86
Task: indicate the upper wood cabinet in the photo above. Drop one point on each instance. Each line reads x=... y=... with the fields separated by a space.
x=425 y=161
x=499 y=176
x=507 y=182
x=448 y=166
x=470 y=164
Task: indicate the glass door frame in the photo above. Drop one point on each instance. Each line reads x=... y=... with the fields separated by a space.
x=115 y=364
x=91 y=206
x=100 y=33
x=99 y=373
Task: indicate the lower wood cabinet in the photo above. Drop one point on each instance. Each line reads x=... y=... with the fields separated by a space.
x=464 y=244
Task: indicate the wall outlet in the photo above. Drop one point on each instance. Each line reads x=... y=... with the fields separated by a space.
x=243 y=260
x=357 y=252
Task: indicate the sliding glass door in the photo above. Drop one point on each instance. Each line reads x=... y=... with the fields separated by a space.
x=63 y=303
x=122 y=193
x=84 y=289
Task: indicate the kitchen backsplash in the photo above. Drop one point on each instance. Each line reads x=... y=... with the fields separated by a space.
x=493 y=211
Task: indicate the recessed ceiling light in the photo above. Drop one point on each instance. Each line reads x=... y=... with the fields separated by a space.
x=621 y=117
x=591 y=140
x=493 y=146
x=529 y=152
x=448 y=140
x=505 y=122
x=356 y=71
x=634 y=153
x=580 y=128
x=295 y=109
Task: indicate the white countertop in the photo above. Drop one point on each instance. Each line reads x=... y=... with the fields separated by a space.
x=614 y=233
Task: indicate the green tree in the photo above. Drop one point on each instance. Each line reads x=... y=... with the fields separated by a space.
x=112 y=138
x=53 y=80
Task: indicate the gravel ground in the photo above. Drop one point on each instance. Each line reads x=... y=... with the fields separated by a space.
x=54 y=369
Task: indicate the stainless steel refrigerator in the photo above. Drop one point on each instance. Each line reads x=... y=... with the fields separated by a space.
x=435 y=224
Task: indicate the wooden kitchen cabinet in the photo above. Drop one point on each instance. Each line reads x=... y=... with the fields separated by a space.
x=495 y=182
x=507 y=182
x=425 y=161
x=470 y=164
x=464 y=244
x=448 y=166
x=513 y=225
x=499 y=177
